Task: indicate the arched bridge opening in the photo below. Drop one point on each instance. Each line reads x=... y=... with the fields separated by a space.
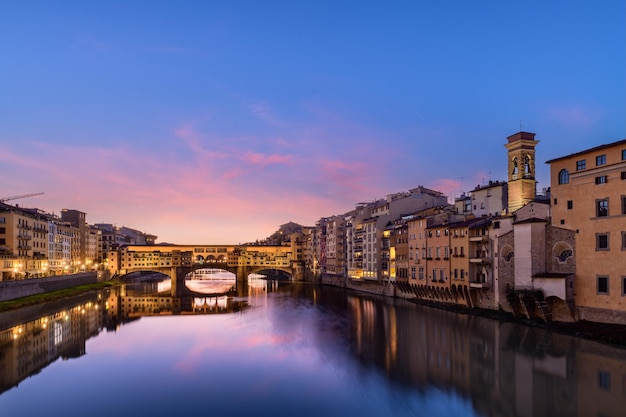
x=282 y=274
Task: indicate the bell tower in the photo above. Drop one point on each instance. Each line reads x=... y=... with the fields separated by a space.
x=521 y=161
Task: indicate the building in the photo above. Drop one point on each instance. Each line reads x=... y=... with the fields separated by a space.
x=490 y=199
x=78 y=220
x=23 y=242
x=522 y=187
x=588 y=192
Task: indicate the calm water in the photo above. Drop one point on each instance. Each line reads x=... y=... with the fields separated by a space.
x=292 y=350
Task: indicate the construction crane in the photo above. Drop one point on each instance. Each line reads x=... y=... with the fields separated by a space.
x=17 y=197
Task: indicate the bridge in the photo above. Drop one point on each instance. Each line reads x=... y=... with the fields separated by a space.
x=176 y=261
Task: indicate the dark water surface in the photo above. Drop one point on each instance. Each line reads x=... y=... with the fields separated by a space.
x=292 y=350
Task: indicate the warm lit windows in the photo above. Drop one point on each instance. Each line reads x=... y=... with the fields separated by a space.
x=601 y=160
x=580 y=165
x=602 y=179
x=603 y=285
x=602 y=207
x=602 y=241
x=563 y=176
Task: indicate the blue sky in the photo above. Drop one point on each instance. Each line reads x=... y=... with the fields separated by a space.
x=218 y=121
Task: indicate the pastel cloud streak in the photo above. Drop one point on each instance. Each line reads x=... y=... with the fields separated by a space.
x=203 y=188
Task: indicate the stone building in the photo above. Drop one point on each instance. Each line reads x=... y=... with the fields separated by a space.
x=588 y=191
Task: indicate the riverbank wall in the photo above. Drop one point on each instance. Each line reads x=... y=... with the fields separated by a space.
x=608 y=333
x=11 y=290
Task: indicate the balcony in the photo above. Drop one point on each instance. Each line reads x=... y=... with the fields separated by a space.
x=24 y=247
x=24 y=237
x=480 y=260
x=480 y=285
x=479 y=238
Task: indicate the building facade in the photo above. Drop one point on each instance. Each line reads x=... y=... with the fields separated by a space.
x=588 y=191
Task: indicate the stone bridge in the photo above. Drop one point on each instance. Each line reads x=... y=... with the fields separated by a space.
x=176 y=261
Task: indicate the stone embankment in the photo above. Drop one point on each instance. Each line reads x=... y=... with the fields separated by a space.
x=612 y=334
x=11 y=290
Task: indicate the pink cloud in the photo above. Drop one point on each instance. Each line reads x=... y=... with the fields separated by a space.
x=264 y=112
x=575 y=116
x=259 y=159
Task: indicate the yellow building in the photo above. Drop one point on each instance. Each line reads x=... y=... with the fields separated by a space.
x=588 y=191
x=521 y=168
x=23 y=242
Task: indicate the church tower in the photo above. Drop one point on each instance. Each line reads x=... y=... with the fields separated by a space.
x=521 y=157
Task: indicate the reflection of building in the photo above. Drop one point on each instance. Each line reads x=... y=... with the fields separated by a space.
x=504 y=369
x=27 y=348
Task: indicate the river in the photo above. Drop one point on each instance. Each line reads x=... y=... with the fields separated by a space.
x=283 y=349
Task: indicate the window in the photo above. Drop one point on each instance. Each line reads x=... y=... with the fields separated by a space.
x=580 y=165
x=604 y=380
x=602 y=241
x=623 y=288
x=602 y=207
x=623 y=154
x=602 y=179
x=623 y=204
x=570 y=204
x=624 y=175
x=623 y=240
x=413 y=272
x=565 y=254
x=462 y=273
x=600 y=160
x=563 y=176
x=456 y=273
x=603 y=285
x=421 y=272
x=496 y=225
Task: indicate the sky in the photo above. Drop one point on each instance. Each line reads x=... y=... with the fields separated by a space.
x=218 y=121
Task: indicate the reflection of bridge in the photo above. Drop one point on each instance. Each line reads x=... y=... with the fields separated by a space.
x=176 y=261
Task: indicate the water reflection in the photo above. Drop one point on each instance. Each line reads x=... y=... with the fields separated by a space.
x=500 y=369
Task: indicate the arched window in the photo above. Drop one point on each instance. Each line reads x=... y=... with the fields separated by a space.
x=562 y=251
x=564 y=176
x=507 y=253
x=515 y=167
x=565 y=254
